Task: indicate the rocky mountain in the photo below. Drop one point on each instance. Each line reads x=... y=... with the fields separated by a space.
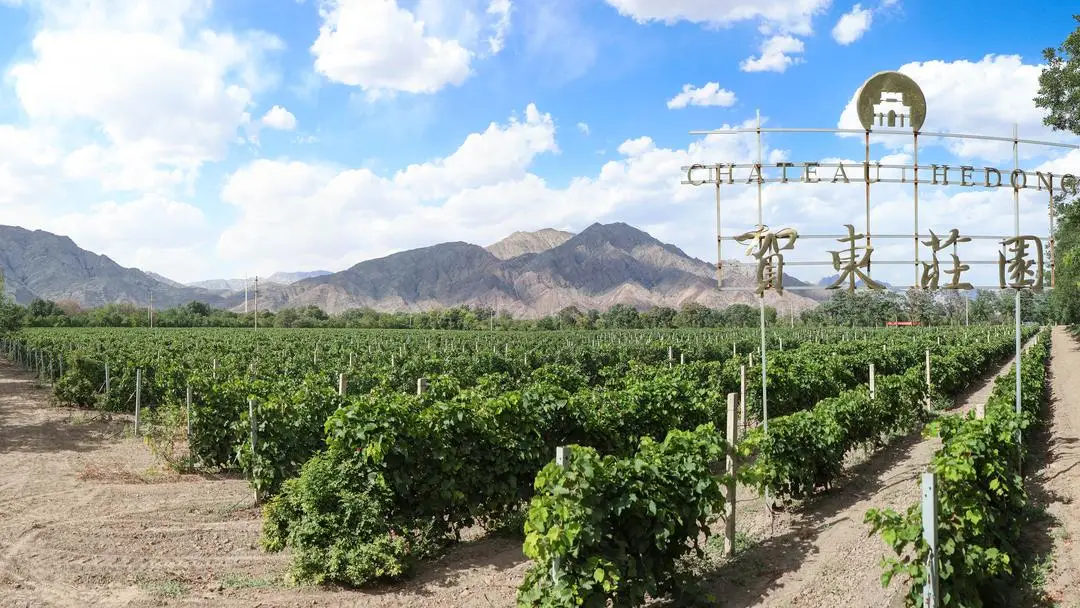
x=226 y=285
x=39 y=264
x=165 y=280
x=859 y=283
x=238 y=285
x=288 y=278
x=602 y=266
x=520 y=243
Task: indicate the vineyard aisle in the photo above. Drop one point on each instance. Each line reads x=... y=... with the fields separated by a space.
x=88 y=519
x=823 y=556
x=1059 y=479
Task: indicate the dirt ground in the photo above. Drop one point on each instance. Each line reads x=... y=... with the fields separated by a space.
x=88 y=518
x=1058 y=480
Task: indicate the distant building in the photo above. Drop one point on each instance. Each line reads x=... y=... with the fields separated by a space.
x=890 y=109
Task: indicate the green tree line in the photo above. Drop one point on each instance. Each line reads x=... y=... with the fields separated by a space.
x=856 y=309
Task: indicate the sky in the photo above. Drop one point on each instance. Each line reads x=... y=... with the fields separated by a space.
x=209 y=139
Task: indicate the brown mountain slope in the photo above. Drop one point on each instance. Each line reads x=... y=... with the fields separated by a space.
x=602 y=266
x=39 y=264
x=520 y=243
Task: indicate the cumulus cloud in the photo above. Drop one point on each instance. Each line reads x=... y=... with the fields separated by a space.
x=709 y=95
x=125 y=102
x=129 y=70
x=383 y=48
x=786 y=15
x=777 y=55
x=279 y=118
x=852 y=25
x=782 y=21
x=583 y=127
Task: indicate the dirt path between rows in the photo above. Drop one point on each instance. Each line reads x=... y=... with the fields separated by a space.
x=1058 y=481
x=87 y=518
x=821 y=554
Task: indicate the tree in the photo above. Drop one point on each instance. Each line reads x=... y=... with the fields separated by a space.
x=10 y=314
x=982 y=308
x=920 y=306
x=620 y=316
x=199 y=309
x=693 y=314
x=1059 y=84
x=741 y=315
x=659 y=316
x=1059 y=96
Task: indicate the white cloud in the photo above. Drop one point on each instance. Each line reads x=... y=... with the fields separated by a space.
x=976 y=97
x=709 y=95
x=500 y=10
x=303 y=214
x=383 y=48
x=157 y=85
x=583 y=127
x=780 y=20
x=308 y=215
x=777 y=54
x=793 y=16
x=150 y=221
x=279 y=118
x=124 y=102
x=28 y=164
x=852 y=25
x=499 y=153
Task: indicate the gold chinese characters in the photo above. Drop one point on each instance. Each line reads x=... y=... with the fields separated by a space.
x=766 y=248
x=1020 y=263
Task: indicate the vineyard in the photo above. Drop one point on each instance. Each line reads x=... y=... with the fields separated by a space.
x=372 y=451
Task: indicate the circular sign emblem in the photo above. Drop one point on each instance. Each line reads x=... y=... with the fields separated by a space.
x=891 y=100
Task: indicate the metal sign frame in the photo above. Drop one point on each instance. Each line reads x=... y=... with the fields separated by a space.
x=892 y=89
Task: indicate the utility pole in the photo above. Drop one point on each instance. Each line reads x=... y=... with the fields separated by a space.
x=256 y=301
x=150 y=310
x=245 y=294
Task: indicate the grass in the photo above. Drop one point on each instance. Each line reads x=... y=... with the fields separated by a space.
x=239 y=580
x=168 y=588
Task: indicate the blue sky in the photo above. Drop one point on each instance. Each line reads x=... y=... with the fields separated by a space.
x=144 y=130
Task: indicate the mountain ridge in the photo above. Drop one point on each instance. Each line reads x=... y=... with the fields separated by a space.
x=521 y=243
x=603 y=265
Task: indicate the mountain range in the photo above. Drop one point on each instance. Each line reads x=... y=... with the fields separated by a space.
x=528 y=274
x=229 y=285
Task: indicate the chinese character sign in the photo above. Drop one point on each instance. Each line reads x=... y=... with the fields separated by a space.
x=765 y=246
x=932 y=271
x=1018 y=268
x=851 y=265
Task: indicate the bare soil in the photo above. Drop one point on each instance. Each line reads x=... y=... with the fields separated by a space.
x=1057 y=482
x=89 y=518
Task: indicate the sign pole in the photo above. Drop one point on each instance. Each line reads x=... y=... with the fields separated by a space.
x=915 y=153
x=1016 y=218
x=761 y=300
x=866 y=174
